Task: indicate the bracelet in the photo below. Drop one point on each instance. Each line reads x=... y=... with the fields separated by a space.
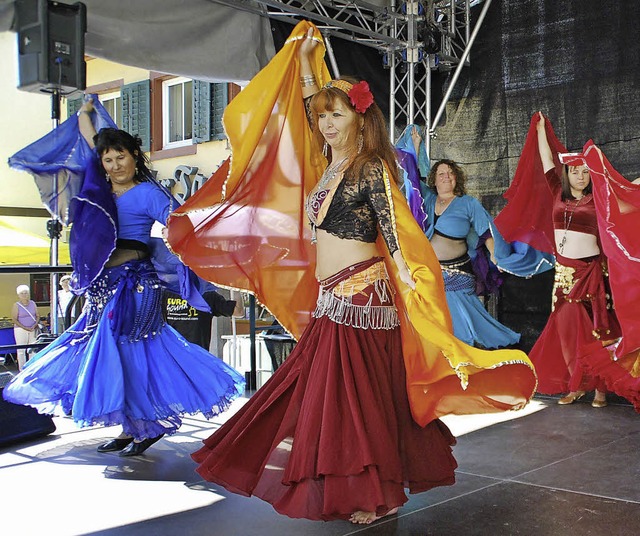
x=308 y=80
x=83 y=112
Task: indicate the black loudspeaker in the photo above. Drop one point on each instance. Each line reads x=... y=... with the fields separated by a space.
x=51 y=46
x=20 y=423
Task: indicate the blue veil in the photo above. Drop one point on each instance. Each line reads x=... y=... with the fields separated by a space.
x=413 y=167
x=83 y=199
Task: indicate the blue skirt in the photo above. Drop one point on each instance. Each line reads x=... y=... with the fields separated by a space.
x=472 y=323
x=121 y=364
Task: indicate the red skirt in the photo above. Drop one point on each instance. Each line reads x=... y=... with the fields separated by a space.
x=580 y=318
x=620 y=376
x=331 y=432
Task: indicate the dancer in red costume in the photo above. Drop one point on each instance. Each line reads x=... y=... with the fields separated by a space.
x=581 y=305
x=351 y=418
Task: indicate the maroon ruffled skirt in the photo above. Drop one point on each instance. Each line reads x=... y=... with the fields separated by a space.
x=331 y=432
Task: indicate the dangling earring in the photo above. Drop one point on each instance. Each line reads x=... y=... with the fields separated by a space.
x=325 y=149
x=107 y=178
x=360 y=142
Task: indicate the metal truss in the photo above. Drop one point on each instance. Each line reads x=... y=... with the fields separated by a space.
x=415 y=37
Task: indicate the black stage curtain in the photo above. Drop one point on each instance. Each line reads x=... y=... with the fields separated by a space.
x=578 y=62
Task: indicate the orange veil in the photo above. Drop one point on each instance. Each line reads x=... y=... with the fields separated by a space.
x=247 y=229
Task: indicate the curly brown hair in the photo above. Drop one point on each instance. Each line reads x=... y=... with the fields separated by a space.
x=376 y=142
x=461 y=177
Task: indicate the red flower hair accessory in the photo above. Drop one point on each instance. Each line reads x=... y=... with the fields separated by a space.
x=361 y=97
x=359 y=94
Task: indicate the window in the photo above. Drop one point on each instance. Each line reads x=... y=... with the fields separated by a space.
x=177 y=113
x=112 y=102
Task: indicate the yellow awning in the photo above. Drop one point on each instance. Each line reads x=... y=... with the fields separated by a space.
x=22 y=247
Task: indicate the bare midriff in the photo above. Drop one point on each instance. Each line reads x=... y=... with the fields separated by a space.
x=120 y=256
x=334 y=254
x=577 y=245
x=448 y=248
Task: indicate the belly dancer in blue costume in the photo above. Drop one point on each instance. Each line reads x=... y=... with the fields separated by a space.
x=456 y=225
x=120 y=363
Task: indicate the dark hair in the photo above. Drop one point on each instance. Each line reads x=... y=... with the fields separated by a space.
x=120 y=140
x=374 y=130
x=566 y=185
x=461 y=177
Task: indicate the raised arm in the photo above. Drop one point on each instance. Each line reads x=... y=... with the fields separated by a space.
x=307 y=78
x=416 y=139
x=543 y=145
x=84 y=122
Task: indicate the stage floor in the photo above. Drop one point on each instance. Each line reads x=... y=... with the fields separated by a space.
x=547 y=470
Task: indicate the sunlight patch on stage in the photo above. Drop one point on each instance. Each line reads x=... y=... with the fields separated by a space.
x=464 y=424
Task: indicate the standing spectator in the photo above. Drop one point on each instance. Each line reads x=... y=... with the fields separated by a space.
x=64 y=298
x=25 y=322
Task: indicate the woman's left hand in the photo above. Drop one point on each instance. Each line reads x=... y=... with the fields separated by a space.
x=403 y=270
x=415 y=135
x=406 y=278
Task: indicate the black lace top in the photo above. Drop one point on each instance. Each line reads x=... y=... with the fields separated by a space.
x=359 y=206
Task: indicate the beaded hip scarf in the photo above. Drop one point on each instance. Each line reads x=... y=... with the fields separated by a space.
x=360 y=296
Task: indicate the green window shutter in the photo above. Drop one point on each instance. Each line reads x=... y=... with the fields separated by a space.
x=201 y=111
x=219 y=102
x=73 y=105
x=136 y=111
x=209 y=102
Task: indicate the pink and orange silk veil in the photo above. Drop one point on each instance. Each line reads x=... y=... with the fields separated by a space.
x=250 y=232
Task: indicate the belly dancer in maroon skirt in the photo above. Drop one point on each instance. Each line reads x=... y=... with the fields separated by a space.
x=350 y=421
x=331 y=436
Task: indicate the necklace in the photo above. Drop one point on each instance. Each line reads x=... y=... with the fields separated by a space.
x=118 y=193
x=443 y=203
x=567 y=223
x=330 y=174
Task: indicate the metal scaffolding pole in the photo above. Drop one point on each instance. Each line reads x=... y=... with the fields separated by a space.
x=395 y=30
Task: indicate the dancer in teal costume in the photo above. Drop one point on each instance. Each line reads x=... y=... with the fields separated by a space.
x=469 y=248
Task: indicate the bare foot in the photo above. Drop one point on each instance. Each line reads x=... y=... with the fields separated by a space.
x=366 y=518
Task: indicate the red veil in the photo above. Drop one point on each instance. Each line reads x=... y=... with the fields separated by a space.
x=618 y=209
x=527 y=216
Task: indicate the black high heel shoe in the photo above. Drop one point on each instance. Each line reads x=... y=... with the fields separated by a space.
x=115 y=444
x=137 y=448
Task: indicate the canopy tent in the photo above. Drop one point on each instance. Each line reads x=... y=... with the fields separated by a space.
x=21 y=247
x=198 y=39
